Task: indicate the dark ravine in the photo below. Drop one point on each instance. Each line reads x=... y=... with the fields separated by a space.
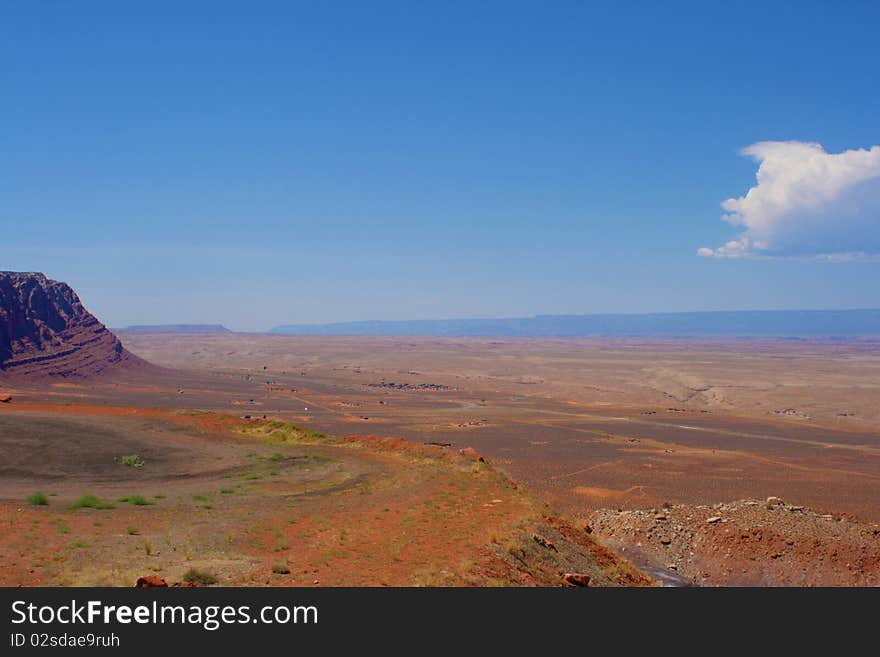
x=45 y=331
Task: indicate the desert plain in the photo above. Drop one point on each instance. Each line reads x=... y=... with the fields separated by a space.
x=277 y=460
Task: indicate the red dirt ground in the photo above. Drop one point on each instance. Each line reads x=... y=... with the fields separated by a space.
x=297 y=509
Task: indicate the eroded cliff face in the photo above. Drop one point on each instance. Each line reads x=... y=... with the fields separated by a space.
x=46 y=331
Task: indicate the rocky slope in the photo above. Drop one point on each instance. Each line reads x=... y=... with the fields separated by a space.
x=46 y=332
x=747 y=543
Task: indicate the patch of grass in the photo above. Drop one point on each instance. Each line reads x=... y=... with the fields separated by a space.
x=200 y=498
x=148 y=548
x=276 y=457
x=90 y=502
x=196 y=576
x=284 y=432
x=158 y=497
x=38 y=499
x=79 y=544
x=136 y=500
x=132 y=531
x=133 y=461
x=227 y=491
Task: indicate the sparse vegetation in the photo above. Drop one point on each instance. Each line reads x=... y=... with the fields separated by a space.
x=284 y=432
x=38 y=499
x=133 y=461
x=227 y=491
x=136 y=500
x=132 y=531
x=148 y=548
x=90 y=502
x=196 y=576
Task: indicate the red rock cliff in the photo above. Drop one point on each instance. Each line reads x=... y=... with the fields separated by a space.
x=46 y=331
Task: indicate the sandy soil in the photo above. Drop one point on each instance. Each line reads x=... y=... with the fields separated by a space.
x=592 y=423
x=589 y=424
x=262 y=503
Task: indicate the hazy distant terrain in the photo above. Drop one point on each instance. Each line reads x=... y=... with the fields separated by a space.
x=177 y=328
x=777 y=323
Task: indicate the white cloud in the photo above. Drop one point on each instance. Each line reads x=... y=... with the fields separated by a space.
x=807 y=203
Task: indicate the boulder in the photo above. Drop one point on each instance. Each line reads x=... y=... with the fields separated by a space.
x=151 y=581
x=576 y=580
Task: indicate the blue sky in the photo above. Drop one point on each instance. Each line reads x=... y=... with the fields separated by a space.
x=266 y=163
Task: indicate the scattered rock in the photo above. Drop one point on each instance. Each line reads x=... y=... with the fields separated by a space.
x=666 y=540
x=660 y=516
x=280 y=569
x=5 y=399
x=713 y=520
x=576 y=579
x=543 y=542
x=775 y=501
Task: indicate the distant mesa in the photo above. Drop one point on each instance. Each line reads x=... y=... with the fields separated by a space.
x=740 y=323
x=176 y=328
x=46 y=332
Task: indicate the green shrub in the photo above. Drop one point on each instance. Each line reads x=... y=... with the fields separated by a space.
x=137 y=500
x=133 y=461
x=38 y=499
x=90 y=502
x=195 y=576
